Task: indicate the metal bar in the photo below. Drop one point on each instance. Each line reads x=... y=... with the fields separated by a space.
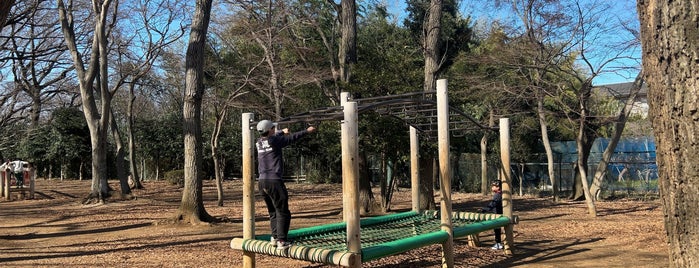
x=480 y=226
x=403 y=245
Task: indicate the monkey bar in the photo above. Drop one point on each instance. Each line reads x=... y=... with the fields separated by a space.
x=351 y=247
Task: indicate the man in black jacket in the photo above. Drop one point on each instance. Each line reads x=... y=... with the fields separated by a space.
x=270 y=165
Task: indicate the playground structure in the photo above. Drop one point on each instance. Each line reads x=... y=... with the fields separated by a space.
x=8 y=181
x=355 y=240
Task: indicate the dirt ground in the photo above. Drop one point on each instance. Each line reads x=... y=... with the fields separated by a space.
x=55 y=230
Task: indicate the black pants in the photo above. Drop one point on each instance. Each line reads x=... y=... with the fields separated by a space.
x=277 y=201
x=498 y=233
x=19 y=179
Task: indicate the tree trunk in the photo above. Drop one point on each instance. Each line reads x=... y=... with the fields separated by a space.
x=157 y=168
x=366 y=197
x=547 y=146
x=119 y=159
x=426 y=196
x=435 y=174
x=669 y=39
x=35 y=111
x=386 y=182
x=455 y=158
x=192 y=206
x=348 y=42
x=132 y=146
x=5 y=7
x=484 y=163
x=276 y=90
x=219 y=179
x=619 y=124
x=431 y=31
x=586 y=136
x=220 y=118
x=99 y=189
x=485 y=186
x=82 y=170
x=430 y=50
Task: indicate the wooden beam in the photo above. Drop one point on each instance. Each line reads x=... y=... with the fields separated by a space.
x=350 y=178
x=248 y=188
x=445 y=172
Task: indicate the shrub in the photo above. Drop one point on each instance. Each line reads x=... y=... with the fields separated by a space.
x=175 y=177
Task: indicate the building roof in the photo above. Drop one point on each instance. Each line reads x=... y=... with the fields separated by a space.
x=621 y=90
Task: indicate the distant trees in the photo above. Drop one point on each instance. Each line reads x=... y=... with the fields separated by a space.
x=68 y=142
x=550 y=59
x=36 y=69
x=279 y=58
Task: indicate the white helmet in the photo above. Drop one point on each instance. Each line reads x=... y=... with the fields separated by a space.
x=265 y=125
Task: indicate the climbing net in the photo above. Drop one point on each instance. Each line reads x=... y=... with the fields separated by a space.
x=380 y=230
x=380 y=236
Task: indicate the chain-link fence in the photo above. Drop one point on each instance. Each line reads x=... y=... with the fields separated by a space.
x=632 y=169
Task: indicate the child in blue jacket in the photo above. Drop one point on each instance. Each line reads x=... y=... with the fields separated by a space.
x=495 y=206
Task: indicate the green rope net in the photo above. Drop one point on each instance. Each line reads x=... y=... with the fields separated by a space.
x=380 y=232
x=380 y=236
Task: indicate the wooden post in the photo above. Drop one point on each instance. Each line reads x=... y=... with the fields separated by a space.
x=350 y=179
x=506 y=179
x=2 y=183
x=248 y=188
x=445 y=171
x=32 y=177
x=8 y=178
x=344 y=97
x=415 y=169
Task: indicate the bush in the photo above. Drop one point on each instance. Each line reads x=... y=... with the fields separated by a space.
x=317 y=172
x=175 y=177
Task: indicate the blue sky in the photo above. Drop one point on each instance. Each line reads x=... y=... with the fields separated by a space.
x=618 y=72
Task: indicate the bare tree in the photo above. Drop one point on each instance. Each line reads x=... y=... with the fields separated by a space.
x=668 y=39
x=585 y=138
x=192 y=206
x=546 y=36
x=556 y=33
x=278 y=33
x=619 y=124
x=40 y=63
x=227 y=88
x=94 y=81
x=94 y=84
x=35 y=59
x=157 y=28
x=597 y=60
x=265 y=24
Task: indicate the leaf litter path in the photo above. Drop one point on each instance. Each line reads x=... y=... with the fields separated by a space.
x=55 y=230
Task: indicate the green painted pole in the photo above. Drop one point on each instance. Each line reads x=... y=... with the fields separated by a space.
x=332 y=227
x=478 y=227
x=403 y=245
